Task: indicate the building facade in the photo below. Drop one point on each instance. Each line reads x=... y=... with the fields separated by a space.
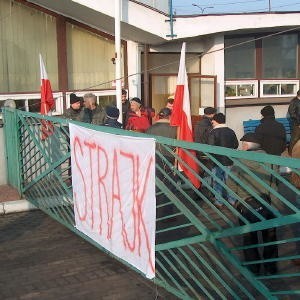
x=237 y=63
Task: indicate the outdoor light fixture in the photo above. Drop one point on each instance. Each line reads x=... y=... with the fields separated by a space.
x=202 y=8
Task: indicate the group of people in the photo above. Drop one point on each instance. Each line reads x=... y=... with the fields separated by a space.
x=134 y=115
x=269 y=137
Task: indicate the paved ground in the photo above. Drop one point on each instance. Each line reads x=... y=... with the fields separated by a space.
x=41 y=259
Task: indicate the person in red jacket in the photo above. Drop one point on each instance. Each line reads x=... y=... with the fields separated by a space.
x=137 y=118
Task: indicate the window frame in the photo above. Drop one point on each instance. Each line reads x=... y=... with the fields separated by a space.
x=242 y=82
x=278 y=81
x=58 y=98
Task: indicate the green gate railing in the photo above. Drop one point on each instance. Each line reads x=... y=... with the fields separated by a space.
x=199 y=248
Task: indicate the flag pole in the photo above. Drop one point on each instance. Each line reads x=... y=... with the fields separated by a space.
x=118 y=5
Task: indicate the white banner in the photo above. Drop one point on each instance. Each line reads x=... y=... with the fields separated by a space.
x=113 y=181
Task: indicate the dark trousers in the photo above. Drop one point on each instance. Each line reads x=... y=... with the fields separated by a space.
x=269 y=252
x=252 y=238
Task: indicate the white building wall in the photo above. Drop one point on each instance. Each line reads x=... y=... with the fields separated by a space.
x=212 y=63
x=134 y=67
x=133 y=14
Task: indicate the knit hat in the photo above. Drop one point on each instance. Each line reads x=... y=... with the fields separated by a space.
x=74 y=98
x=124 y=92
x=137 y=100
x=267 y=111
x=112 y=112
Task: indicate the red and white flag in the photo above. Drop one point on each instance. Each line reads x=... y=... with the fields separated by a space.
x=47 y=100
x=181 y=117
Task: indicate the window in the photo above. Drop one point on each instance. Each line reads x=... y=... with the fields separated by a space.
x=239 y=58
x=277 y=88
x=90 y=59
x=280 y=56
x=25 y=33
x=241 y=89
x=32 y=102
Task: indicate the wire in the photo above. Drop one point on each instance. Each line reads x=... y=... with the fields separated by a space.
x=176 y=62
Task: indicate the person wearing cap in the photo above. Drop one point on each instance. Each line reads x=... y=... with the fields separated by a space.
x=137 y=118
x=92 y=112
x=251 y=142
x=170 y=102
x=112 y=115
x=271 y=133
x=125 y=106
x=74 y=112
x=223 y=136
x=294 y=113
x=162 y=127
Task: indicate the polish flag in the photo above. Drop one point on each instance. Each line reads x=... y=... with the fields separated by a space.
x=181 y=117
x=47 y=101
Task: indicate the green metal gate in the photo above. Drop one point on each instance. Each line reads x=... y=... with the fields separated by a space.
x=199 y=249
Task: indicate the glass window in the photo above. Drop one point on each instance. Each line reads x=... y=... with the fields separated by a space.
x=202 y=93
x=280 y=56
x=239 y=89
x=240 y=59
x=90 y=59
x=162 y=87
x=273 y=88
x=25 y=33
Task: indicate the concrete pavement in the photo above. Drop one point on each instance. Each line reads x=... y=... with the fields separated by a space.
x=41 y=259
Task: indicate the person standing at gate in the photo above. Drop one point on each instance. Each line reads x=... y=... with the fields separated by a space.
x=137 y=118
x=294 y=112
x=74 y=112
x=112 y=115
x=92 y=112
x=125 y=107
x=272 y=134
x=250 y=142
x=223 y=136
x=204 y=126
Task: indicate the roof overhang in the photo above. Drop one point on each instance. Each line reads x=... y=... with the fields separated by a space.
x=100 y=15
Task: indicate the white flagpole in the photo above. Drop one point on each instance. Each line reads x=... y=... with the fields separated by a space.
x=118 y=5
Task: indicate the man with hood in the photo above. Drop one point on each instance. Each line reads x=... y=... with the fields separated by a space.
x=272 y=134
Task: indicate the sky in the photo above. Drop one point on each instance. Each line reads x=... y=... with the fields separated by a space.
x=186 y=7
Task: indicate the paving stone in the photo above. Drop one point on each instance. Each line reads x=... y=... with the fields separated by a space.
x=41 y=259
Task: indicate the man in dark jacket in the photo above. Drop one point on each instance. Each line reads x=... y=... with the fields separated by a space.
x=294 y=112
x=125 y=107
x=272 y=134
x=204 y=126
x=73 y=113
x=223 y=136
x=112 y=115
